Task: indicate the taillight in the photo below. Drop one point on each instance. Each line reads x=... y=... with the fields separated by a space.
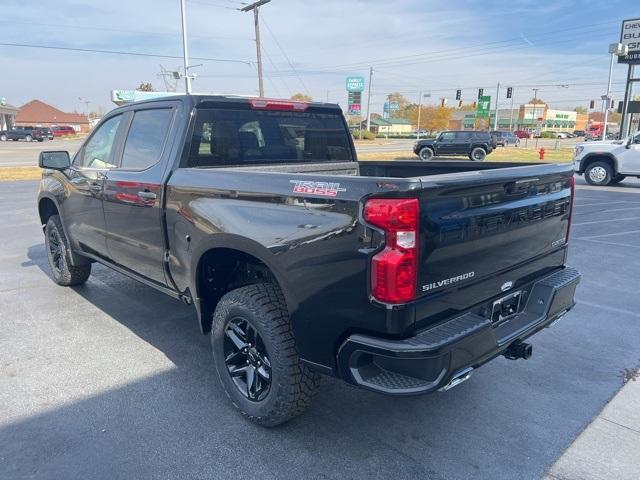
x=270 y=104
x=572 y=184
x=394 y=270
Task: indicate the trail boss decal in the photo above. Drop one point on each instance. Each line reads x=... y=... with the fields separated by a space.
x=447 y=281
x=324 y=189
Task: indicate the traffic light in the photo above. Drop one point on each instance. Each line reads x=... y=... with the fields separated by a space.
x=592 y=104
x=509 y=92
x=480 y=92
x=443 y=102
x=475 y=104
x=458 y=94
x=459 y=103
x=613 y=104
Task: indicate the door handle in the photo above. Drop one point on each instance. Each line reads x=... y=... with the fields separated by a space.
x=147 y=195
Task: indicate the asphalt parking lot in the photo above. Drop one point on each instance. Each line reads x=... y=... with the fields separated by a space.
x=112 y=379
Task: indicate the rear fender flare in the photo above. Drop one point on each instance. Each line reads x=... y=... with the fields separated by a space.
x=244 y=245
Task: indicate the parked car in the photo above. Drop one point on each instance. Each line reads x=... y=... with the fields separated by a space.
x=561 y=135
x=609 y=161
x=475 y=144
x=46 y=133
x=505 y=138
x=61 y=130
x=579 y=133
x=28 y=134
x=522 y=134
x=398 y=277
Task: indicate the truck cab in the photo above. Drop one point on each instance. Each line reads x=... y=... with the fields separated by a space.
x=608 y=162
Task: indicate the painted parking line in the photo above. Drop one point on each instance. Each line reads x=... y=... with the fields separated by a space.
x=604 y=203
x=603 y=242
x=605 y=235
x=605 y=221
x=591 y=212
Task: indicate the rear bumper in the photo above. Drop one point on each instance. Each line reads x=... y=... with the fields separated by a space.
x=431 y=359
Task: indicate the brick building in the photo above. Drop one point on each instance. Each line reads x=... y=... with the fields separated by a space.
x=40 y=114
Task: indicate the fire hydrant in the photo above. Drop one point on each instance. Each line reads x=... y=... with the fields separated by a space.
x=541 y=152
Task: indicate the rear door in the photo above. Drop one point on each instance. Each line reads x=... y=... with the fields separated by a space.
x=486 y=222
x=462 y=142
x=132 y=199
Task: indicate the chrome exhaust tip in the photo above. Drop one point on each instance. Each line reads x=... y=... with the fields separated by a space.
x=458 y=378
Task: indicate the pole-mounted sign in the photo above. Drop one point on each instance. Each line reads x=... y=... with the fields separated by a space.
x=630 y=37
x=355 y=87
x=483 y=106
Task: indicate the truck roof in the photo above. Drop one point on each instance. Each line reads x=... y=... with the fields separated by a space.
x=197 y=99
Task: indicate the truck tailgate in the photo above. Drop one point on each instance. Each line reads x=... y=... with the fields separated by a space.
x=477 y=226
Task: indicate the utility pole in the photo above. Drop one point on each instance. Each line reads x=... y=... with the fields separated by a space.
x=495 y=119
x=535 y=105
x=419 y=115
x=256 y=21
x=185 y=51
x=369 y=100
x=511 y=113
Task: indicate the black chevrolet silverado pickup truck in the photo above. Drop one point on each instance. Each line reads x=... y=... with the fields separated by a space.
x=398 y=277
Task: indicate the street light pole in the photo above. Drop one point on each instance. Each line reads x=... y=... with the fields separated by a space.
x=185 y=51
x=615 y=49
x=511 y=113
x=535 y=103
x=419 y=115
x=369 y=100
x=256 y=21
x=495 y=120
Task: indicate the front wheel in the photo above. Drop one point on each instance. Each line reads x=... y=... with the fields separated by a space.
x=59 y=256
x=256 y=357
x=425 y=153
x=478 y=154
x=3 y=138
x=598 y=173
x=28 y=138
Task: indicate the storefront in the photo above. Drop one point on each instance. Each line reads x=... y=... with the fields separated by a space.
x=7 y=115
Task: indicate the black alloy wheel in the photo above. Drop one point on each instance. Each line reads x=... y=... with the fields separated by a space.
x=246 y=359
x=55 y=250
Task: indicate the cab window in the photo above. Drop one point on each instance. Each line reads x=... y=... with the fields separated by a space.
x=146 y=138
x=97 y=153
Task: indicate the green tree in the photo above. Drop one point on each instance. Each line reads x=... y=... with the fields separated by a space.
x=301 y=97
x=581 y=110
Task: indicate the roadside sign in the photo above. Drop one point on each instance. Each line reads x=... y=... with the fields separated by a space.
x=630 y=36
x=122 y=97
x=483 y=106
x=354 y=103
x=355 y=84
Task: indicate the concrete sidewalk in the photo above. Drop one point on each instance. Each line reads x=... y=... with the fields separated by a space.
x=609 y=448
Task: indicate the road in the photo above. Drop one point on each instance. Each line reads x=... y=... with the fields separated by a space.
x=24 y=154
x=111 y=380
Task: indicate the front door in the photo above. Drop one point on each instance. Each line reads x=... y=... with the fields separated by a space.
x=629 y=158
x=133 y=194
x=446 y=143
x=82 y=209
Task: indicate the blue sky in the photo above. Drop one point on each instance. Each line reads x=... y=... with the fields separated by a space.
x=311 y=46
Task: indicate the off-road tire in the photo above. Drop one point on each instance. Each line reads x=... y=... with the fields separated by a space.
x=598 y=173
x=425 y=153
x=28 y=138
x=478 y=154
x=62 y=271
x=293 y=384
x=3 y=138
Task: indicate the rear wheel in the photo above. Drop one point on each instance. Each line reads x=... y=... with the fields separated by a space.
x=478 y=154
x=59 y=256
x=425 y=153
x=598 y=173
x=256 y=357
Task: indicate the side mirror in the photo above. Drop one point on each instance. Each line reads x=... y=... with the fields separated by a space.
x=55 y=160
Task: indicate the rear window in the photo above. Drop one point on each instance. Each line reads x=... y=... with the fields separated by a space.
x=223 y=137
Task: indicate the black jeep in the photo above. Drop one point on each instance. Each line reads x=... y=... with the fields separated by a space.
x=472 y=143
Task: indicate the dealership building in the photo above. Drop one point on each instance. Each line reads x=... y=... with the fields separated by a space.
x=7 y=115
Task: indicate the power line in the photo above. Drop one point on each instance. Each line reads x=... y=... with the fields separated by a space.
x=116 y=52
x=285 y=55
x=122 y=30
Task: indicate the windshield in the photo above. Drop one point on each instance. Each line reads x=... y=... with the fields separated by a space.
x=224 y=137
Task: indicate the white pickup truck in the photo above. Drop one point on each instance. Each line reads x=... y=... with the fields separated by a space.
x=608 y=162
